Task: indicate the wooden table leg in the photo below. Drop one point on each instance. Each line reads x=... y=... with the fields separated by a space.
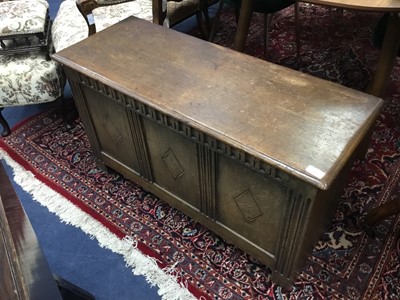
x=382 y=212
x=378 y=214
x=246 y=11
x=387 y=57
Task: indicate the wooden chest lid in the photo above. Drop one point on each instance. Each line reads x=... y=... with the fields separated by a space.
x=303 y=125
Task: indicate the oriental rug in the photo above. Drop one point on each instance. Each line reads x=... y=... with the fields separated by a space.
x=345 y=264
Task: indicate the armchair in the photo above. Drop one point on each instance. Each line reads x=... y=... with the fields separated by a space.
x=27 y=75
x=69 y=27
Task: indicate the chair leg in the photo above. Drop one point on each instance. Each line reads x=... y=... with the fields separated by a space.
x=297 y=26
x=378 y=214
x=267 y=26
x=202 y=24
x=382 y=212
x=63 y=113
x=6 y=128
x=216 y=20
x=205 y=14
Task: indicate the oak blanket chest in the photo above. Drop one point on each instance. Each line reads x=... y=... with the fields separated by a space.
x=256 y=152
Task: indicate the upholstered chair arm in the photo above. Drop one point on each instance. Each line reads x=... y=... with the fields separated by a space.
x=86 y=8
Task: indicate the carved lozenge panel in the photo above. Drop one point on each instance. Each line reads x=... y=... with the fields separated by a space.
x=173 y=161
x=249 y=204
x=112 y=128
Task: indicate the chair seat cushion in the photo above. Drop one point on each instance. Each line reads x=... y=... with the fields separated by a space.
x=69 y=26
x=29 y=79
x=21 y=17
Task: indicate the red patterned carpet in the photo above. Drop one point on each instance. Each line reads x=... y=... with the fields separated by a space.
x=345 y=264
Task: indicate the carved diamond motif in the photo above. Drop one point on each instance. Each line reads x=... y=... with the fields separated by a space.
x=113 y=134
x=172 y=164
x=248 y=206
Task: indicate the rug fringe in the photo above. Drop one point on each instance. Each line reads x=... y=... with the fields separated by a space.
x=68 y=213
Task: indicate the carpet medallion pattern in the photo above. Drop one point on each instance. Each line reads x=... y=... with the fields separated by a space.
x=345 y=264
